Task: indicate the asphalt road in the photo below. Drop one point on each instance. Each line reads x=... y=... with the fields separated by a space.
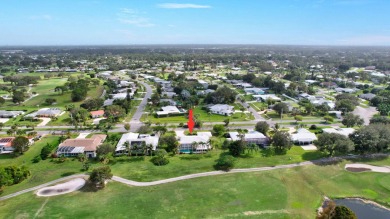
x=135 y=122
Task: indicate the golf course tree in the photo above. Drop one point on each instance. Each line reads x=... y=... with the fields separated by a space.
x=100 y=175
x=92 y=104
x=79 y=89
x=50 y=101
x=333 y=211
x=20 y=144
x=333 y=142
x=262 y=127
x=10 y=175
x=351 y=120
x=281 y=141
x=160 y=158
x=372 y=138
x=280 y=108
x=18 y=96
x=114 y=113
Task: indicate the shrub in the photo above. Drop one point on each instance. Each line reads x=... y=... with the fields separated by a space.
x=313 y=127
x=36 y=159
x=225 y=163
x=160 y=161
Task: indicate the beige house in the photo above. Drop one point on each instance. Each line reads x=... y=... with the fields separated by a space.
x=87 y=146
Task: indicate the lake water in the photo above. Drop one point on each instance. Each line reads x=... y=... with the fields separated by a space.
x=364 y=210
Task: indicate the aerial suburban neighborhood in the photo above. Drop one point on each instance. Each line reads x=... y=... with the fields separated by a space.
x=193 y=130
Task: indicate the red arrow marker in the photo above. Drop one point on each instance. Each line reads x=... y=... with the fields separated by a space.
x=190 y=122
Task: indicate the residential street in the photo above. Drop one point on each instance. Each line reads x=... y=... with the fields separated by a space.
x=135 y=122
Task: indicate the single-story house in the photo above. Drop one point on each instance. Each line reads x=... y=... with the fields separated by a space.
x=195 y=143
x=368 y=96
x=345 y=90
x=46 y=112
x=252 y=137
x=134 y=140
x=168 y=102
x=303 y=136
x=97 y=114
x=265 y=97
x=328 y=84
x=222 y=109
x=6 y=144
x=168 y=94
x=87 y=146
x=203 y=83
x=170 y=110
x=254 y=90
x=336 y=113
x=341 y=131
x=10 y=114
x=205 y=92
x=108 y=102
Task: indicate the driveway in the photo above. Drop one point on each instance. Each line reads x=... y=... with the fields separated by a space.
x=44 y=122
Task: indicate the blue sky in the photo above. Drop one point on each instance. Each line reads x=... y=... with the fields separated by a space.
x=296 y=22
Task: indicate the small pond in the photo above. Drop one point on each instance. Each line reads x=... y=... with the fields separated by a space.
x=364 y=210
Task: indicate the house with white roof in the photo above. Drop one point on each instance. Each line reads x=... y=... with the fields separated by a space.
x=134 y=141
x=222 y=109
x=341 y=131
x=170 y=110
x=46 y=112
x=252 y=137
x=265 y=97
x=203 y=83
x=254 y=90
x=195 y=143
x=303 y=136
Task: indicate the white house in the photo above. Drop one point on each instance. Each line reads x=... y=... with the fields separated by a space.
x=195 y=143
x=168 y=110
x=46 y=112
x=254 y=90
x=134 y=140
x=222 y=109
x=252 y=137
x=265 y=97
x=341 y=131
x=303 y=136
x=203 y=83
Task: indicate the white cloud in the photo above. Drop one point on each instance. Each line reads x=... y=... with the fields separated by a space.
x=181 y=6
x=41 y=17
x=133 y=17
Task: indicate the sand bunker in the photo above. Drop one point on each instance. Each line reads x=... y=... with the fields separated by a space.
x=356 y=167
x=63 y=188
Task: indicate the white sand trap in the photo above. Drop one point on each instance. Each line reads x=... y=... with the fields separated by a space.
x=63 y=188
x=366 y=167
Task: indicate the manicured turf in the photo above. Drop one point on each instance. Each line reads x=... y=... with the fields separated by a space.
x=288 y=193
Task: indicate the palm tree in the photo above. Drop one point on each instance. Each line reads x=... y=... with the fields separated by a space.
x=150 y=149
x=128 y=148
x=194 y=146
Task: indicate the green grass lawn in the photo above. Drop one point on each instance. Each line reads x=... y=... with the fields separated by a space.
x=285 y=193
x=203 y=116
